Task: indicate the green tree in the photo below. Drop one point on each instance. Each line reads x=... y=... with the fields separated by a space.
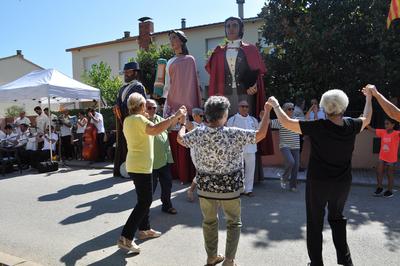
x=14 y=111
x=99 y=76
x=329 y=44
x=147 y=60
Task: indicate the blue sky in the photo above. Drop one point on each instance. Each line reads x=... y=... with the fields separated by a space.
x=43 y=29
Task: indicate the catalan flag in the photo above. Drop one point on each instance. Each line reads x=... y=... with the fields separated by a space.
x=394 y=12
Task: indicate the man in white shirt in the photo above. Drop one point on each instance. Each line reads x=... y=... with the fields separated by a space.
x=10 y=138
x=97 y=119
x=246 y=121
x=49 y=141
x=53 y=118
x=22 y=119
x=41 y=120
x=66 y=135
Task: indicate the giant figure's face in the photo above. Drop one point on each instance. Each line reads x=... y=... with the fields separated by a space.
x=176 y=43
x=232 y=29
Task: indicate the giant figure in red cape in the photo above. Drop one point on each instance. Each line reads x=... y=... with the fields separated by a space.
x=236 y=71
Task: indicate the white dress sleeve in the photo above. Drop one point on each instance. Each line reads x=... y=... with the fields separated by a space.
x=167 y=85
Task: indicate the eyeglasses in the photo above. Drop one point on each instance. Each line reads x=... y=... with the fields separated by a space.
x=290 y=109
x=244 y=106
x=151 y=108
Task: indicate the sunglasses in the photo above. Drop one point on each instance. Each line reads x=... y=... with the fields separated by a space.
x=290 y=109
x=244 y=106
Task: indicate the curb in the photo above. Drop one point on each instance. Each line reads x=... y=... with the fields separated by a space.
x=10 y=260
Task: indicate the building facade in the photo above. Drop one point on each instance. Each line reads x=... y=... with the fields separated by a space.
x=12 y=68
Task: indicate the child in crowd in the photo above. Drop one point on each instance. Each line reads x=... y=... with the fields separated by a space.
x=387 y=155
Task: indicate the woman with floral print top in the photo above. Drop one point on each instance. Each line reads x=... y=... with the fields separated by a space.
x=219 y=164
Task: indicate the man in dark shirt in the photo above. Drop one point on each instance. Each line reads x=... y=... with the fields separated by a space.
x=131 y=76
x=329 y=170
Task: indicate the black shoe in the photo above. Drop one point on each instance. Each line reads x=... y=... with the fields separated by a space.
x=388 y=194
x=378 y=192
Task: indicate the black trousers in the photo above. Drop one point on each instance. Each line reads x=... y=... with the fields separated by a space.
x=100 y=147
x=163 y=175
x=320 y=194
x=66 y=147
x=139 y=218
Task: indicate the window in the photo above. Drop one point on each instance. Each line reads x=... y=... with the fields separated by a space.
x=125 y=57
x=89 y=61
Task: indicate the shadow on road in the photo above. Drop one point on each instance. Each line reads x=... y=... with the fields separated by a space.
x=271 y=216
x=83 y=188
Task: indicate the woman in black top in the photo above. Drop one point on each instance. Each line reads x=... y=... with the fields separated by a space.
x=329 y=170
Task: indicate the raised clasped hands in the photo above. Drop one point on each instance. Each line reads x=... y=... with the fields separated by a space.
x=370 y=90
x=181 y=112
x=273 y=102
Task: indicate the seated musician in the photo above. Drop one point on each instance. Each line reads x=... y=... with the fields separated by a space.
x=10 y=138
x=42 y=155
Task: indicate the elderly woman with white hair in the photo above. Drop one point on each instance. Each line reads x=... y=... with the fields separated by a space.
x=139 y=132
x=329 y=170
x=219 y=163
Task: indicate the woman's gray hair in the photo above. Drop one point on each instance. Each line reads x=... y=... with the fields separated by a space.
x=216 y=107
x=153 y=102
x=287 y=105
x=135 y=103
x=334 y=102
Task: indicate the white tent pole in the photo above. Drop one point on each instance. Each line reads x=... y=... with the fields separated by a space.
x=51 y=144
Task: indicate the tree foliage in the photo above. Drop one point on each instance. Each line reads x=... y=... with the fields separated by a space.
x=147 y=60
x=329 y=44
x=99 y=76
x=14 y=111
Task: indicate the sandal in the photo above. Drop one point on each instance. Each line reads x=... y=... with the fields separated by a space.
x=215 y=260
x=171 y=210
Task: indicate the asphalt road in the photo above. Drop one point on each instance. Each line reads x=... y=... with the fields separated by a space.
x=74 y=217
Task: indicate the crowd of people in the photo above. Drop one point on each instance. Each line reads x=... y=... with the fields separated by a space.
x=31 y=142
x=218 y=148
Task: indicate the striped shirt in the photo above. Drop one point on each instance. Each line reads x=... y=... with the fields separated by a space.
x=288 y=138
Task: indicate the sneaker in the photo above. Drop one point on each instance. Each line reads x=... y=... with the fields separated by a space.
x=293 y=189
x=388 y=194
x=124 y=243
x=149 y=234
x=378 y=192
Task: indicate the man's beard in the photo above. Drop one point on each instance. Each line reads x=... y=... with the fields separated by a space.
x=129 y=79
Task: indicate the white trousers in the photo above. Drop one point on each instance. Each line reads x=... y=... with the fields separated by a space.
x=249 y=168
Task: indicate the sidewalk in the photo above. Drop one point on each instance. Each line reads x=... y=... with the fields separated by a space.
x=10 y=260
x=365 y=177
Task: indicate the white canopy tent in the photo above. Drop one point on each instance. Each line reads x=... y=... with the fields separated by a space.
x=48 y=83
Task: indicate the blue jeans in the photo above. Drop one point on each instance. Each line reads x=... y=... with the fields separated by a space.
x=163 y=175
x=292 y=161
